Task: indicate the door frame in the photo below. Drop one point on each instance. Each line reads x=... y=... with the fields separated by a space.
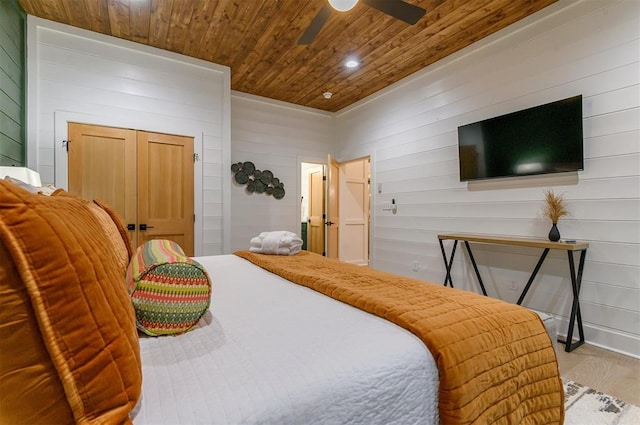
x=310 y=160
x=333 y=207
x=61 y=121
x=306 y=175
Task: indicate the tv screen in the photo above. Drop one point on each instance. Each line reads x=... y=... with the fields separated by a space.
x=539 y=140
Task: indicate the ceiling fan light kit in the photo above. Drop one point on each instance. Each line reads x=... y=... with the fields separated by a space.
x=398 y=9
x=343 y=5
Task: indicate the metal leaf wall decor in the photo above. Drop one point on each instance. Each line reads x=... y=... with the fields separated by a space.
x=256 y=180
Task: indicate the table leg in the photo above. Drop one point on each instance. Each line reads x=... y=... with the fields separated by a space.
x=576 y=282
x=448 y=264
x=475 y=267
x=533 y=275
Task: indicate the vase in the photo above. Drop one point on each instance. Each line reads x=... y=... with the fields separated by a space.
x=554 y=233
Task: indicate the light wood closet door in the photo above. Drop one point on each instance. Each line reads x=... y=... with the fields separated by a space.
x=315 y=230
x=146 y=177
x=102 y=165
x=165 y=188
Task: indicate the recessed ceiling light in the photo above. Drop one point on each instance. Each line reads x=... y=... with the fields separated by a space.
x=351 y=63
x=343 y=5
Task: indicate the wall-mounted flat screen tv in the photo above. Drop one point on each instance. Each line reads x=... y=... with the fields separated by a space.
x=539 y=140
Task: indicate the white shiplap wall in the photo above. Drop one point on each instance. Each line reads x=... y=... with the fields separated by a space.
x=275 y=136
x=588 y=47
x=81 y=76
x=591 y=48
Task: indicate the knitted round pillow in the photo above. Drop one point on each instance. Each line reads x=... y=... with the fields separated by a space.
x=170 y=292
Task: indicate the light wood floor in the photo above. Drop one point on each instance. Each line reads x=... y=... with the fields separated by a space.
x=603 y=370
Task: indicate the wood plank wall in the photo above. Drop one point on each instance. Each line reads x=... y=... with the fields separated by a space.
x=275 y=136
x=12 y=88
x=590 y=48
x=81 y=76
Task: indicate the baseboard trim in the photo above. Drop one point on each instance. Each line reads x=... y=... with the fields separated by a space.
x=622 y=343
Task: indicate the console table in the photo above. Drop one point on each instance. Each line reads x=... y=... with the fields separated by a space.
x=546 y=245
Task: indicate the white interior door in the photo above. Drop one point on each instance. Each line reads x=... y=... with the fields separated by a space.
x=354 y=211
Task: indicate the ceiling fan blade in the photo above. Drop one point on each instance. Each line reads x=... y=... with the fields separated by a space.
x=315 y=26
x=398 y=9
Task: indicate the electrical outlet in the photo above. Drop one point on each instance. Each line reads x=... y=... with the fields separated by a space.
x=415 y=266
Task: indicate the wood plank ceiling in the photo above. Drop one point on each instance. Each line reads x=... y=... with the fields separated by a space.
x=257 y=39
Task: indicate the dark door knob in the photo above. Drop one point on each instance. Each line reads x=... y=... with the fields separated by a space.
x=131 y=227
x=329 y=223
x=145 y=227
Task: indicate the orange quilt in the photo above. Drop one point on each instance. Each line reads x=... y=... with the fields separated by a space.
x=496 y=361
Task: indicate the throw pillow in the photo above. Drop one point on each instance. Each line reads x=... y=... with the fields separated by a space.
x=69 y=346
x=170 y=292
x=112 y=224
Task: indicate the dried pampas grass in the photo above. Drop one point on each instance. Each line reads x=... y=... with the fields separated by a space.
x=555 y=206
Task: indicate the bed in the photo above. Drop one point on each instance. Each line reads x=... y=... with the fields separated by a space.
x=279 y=343
x=273 y=352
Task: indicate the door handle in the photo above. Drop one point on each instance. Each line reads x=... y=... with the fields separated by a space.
x=131 y=227
x=329 y=223
x=145 y=227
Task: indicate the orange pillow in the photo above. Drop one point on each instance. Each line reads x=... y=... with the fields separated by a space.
x=112 y=224
x=69 y=343
x=117 y=235
x=119 y=225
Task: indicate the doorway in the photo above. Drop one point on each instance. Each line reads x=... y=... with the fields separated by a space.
x=312 y=205
x=332 y=191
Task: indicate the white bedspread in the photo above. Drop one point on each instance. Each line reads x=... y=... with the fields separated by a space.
x=272 y=352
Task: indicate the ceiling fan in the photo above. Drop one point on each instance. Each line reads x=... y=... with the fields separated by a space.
x=399 y=9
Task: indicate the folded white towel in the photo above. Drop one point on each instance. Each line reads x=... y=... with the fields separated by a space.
x=277 y=243
x=271 y=243
x=256 y=242
x=279 y=251
x=278 y=233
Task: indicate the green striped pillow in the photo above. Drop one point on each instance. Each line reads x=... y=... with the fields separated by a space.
x=170 y=292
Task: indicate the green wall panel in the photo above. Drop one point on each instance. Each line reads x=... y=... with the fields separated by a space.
x=12 y=83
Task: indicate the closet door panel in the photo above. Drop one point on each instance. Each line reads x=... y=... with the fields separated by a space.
x=102 y=165
x=165 y=188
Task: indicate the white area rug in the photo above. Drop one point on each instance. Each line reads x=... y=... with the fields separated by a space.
x=586 y=406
